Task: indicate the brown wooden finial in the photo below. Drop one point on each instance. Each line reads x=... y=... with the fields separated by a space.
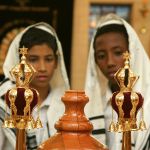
x=73 y=128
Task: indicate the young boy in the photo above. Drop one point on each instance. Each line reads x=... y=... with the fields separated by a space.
x=46 y=56
x=113 y=37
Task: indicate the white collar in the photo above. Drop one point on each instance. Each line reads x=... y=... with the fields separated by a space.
x=46 y=102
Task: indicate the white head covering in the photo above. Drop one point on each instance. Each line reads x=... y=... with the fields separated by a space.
x=96 y=83
x=59 y=82
x=12 y=58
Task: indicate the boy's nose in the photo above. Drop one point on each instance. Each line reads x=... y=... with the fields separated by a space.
x=42 y=66
x=110 y=60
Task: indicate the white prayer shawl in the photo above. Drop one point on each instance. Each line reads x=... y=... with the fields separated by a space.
x=97 y=89
x=59 y=82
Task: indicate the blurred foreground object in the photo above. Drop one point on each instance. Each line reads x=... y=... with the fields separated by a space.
x=126 y=103
x=73 y=128
x=21 y=100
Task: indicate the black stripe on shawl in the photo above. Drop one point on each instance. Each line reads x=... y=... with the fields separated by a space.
x=2 y=117
x=132 y=144
x=48 y=130
x=3 y=97
x=3 y=113
x=96 y=117
x=5 y=80
x=99 y=131
x=31 y=142
x=147 y=145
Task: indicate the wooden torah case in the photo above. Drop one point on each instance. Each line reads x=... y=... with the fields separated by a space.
x=73 y=128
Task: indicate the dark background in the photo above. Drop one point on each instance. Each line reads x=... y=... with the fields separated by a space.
x=21 y=13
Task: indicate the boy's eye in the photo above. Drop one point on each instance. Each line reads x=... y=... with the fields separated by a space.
x=100 y=55
x=50 y=58
x=32 y=59
x=118 y=52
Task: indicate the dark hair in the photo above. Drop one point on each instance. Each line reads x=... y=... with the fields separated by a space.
x=111 y=28
x=35 y=36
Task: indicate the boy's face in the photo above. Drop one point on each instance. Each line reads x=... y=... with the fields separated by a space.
x=109 y=48
x=42 y=58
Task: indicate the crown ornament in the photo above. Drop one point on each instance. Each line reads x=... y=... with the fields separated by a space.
x=21 y=99
x=126 y=102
